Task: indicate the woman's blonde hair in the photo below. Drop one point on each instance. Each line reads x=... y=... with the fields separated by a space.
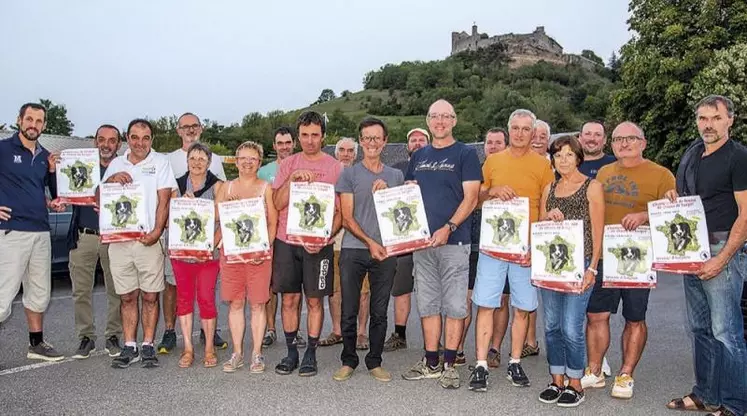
x=251 y=145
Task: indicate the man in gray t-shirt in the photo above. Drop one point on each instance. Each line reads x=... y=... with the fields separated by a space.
x=362 y=251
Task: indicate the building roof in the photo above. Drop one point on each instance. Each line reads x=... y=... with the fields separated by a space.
x=55 y=143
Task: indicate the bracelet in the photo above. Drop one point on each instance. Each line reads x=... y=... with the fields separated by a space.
x=593 y=271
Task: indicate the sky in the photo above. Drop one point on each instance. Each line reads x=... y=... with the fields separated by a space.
x=110 y=62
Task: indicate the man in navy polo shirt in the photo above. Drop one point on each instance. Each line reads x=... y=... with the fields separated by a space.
x=25 y=168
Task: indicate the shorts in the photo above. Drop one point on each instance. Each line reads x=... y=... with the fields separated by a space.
x=364 y=289
x=25 y=261
x=404 y=281
x=441 y=280
x=473 y=256
x=136 y=266
x=294 y=269
x=245 y=281
x=635 y=301
x=491 y=281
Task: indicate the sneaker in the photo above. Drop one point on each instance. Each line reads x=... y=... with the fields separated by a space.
x=478 y=379
x=148 y=354
x=422 y=370
x=449 y=378
x=591 y=380
x=308 y=366
x=394 y=343
x=623 y=388
x=300 y=340
x=44 y=351
x=551 y=394
x=129 y=355
x=343 y=373
x=85 y=348
x=606 y=370
x=233 y=364
x=112 y=346
x=218 y=342
x=529 y=350
x=270 y=337
x=494 y=358
x=570 y=397
x=286 y=366
x=379 y=374
x=461 y=359
x=168 y=342
x=517 y=376
x=258 y=364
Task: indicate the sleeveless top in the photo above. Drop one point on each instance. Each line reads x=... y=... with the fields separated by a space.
x=574 y=207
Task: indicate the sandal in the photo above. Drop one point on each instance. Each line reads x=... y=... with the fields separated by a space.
x=332 y=339
x=362 y=343
x=698 y=405
x=211 y=360
x=186 y=359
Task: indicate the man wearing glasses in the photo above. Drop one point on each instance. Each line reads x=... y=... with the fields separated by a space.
x=448 y=173
x=189 y=129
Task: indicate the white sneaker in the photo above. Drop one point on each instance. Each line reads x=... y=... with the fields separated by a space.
x=591 y=380
x=623 y=388
x=606 y=370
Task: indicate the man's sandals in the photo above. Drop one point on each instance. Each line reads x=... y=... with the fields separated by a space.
x=332 y=339
x=695 y=404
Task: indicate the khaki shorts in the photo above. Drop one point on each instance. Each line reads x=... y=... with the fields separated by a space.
x=364 y=289
x=135 y=266
x=25 y=259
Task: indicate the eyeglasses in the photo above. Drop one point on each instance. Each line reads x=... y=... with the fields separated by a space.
x=626 y=139
x=243 y=159
x=198 y=160
x=443 y=116
x=368 y=139
x=190 y=127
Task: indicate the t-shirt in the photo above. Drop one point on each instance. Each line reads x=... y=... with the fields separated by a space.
x=327 y=169
x=527 y=175
x=358 y=180
x=720 y=174
x=178 y=159
x=267 y=172
x=591 y=168
x=153 y=173
x=440 y=173
x=629 y=190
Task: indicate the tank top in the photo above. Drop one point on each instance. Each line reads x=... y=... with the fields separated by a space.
x=574 y=207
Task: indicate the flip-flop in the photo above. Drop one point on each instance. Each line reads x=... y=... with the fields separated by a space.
x=332 y=339
x=362 y=343
x=186 y=359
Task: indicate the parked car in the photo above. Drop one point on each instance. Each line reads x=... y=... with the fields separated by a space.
x=59 y=223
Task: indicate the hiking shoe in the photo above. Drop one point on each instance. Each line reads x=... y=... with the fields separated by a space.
x=591 y=380
x=129 y=355
x=308 y=366
x=494 y=358
x=168 y=342
x=379 y=374
x=300 y=341
x=570 y=397
x=606 y=370
x=234 y=363
x=218 y=342
x=478 y=379
x=449 y=378
x=623 y=388
x=270 y=337
x=258 y=364
x=45 y=352
x=394 y=343
x=529 y=350
x=112 y=346
x=85 y=348
x=286 y=366
x=551 y=394
x=343 y=373
x=461 y=359
x=517 y=376
x=422 y=370
x=148 y=356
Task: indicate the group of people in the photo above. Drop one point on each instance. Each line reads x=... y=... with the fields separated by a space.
x=568 y=178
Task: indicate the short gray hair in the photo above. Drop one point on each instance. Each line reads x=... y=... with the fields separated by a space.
x=713 y=100
x=522 y=113
x=540 y=123
x=347 y=139
x=200 y=147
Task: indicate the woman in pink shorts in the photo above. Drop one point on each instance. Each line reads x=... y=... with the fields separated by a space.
x=247 y=281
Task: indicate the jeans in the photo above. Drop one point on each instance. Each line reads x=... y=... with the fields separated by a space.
x=715 y=319
x=354 y=264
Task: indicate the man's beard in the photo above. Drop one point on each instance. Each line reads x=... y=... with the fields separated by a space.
x=712 y=138
x=593 y=153
x=107 y=154
x=31 y=136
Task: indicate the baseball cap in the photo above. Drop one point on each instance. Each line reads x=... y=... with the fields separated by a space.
x=419 y=130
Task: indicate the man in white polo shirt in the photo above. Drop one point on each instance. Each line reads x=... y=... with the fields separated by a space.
x=137 y=266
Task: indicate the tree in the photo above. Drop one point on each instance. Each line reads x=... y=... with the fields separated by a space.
x=326 y=95
x=57 y=121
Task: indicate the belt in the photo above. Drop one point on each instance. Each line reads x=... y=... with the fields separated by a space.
x=89 y=231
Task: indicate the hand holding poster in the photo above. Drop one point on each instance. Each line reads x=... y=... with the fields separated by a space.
x=311 y=209
x=122 y=215
x=504 y=230
x=558 y=255
x=243 y=224
x=402 y=221
x=78 y=175
x=628 y=256
x=679 y=234
x=191 y=229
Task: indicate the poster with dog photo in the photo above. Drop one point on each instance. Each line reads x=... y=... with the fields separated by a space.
x=243 y=224
x=504 y=230
x=78 y=176
x=191 y=229
x=122 y=214
x=628 y=256
x=558 y=255
x=402 y=222
x=679 y=234
x=311 y=209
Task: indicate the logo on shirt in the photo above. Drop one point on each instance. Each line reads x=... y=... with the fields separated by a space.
x=17 y=159
x=618 y=190
x=149 y=170
x=442 y=165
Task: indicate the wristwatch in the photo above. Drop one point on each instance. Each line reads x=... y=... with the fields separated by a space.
x=452 y=226
x=593 y=271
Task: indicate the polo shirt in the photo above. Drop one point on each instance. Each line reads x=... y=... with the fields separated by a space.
x=23 y=177
x=153 y=173
x=178 y=159
x=268 y=172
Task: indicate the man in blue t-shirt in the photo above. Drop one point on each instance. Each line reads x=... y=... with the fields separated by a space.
x=448 y=173
x=593 y=139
